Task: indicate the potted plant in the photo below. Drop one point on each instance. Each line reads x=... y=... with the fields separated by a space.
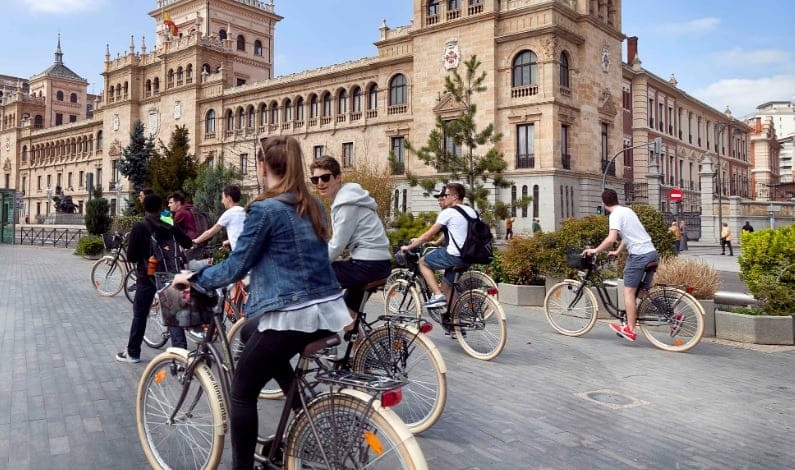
x=90 y=247
x=700 y=279
x=521 y=281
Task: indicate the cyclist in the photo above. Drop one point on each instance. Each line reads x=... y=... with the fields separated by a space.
x=456 y=226
x=138 y=251
x=293 y=292
x=357 y=229
x=634 y=238
x=232 y=218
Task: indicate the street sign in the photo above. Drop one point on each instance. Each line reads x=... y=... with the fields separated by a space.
x=676 y=195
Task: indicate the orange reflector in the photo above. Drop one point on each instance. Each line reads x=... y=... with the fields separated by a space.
x=491 y=291
x=426 y=327
x=678 y=342
x=690 y=289
x=160 y=376
x=391 y=397
x=374 y=442
x=557 y=293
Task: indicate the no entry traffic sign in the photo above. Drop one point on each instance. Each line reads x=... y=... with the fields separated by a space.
x=676 y=195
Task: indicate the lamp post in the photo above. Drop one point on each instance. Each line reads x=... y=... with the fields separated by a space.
x=719 y=127
x=656 y=144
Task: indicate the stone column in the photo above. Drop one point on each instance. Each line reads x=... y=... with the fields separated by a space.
x=709 y=231
x=654 y=179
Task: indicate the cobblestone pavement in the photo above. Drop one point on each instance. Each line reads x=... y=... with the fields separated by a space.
x=548 y=401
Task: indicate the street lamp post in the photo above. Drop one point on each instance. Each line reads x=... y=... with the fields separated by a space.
x=719 y=127
x=656 y=144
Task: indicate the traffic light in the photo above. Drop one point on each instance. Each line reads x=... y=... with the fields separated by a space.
x=598 y=210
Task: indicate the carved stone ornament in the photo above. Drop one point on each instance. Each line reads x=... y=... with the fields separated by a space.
x=606 y=103
x=7 y=165
x=452 y=55
x=115 y=122
x=177 y=110
x=550 y=46
x=8 y=144
x=153 y=121
x=115 y=148
x=605 y=58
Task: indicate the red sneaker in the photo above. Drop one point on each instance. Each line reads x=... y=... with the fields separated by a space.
x=625 y=331
x=678 y=319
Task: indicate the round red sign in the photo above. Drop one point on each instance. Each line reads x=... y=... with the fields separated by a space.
x=676 y=195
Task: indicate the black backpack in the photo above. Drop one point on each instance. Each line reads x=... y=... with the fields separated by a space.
x=477 y=248
x=200 y=219
x=167 y=252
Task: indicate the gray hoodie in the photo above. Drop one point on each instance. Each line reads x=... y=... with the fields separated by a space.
x=356 y=226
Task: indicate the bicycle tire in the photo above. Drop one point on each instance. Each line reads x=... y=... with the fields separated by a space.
x=174 y=445
x=355 y=431
x=399 y=352
x=396 y=275
x=567 y=319
x=130 y=281
x=402 y=299
x=662 y=328
x=480 y=325
x=479 y=280
x=155 y=334
x=271 y=390
x=107 y=276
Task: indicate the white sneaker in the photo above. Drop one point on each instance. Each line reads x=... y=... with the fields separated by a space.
x=124 y=357
x=437 y=300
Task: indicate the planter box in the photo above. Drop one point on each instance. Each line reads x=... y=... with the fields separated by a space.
x=513 y=294
x=709 y=317
x=757 y=329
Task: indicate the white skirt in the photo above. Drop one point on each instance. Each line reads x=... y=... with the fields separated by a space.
x=329 y=314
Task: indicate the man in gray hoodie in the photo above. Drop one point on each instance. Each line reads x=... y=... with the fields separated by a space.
x=357 y=230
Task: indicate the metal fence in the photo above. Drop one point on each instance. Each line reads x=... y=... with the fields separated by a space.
x=50 y=236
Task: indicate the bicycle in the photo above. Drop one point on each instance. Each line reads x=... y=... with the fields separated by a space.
x=182 y=408
x=473 y=317
x=108 y=273
x=395 y=349
x=670 y=318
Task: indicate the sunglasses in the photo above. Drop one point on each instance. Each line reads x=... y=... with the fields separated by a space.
x=325 y=177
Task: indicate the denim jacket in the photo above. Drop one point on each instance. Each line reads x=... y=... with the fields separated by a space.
x=288 y=263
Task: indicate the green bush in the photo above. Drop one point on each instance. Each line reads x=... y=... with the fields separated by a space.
x=123 y=224
x=91 y=245
x=767 y=266
x=408 y=226
x=97 y=218
x=654 y=223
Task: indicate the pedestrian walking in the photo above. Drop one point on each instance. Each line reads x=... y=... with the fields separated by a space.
x=683 y=232
x=726 y=240
x=747 y=227
x=677 y=236
x=508 y=228
x=536 y=225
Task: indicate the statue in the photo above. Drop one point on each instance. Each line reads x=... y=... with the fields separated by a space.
x=63 y=203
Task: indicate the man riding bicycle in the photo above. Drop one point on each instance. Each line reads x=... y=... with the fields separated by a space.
x=455 y=225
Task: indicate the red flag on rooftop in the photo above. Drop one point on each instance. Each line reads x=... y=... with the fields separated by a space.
x=170 y=23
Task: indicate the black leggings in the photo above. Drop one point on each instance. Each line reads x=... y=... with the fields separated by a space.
x=265 y=356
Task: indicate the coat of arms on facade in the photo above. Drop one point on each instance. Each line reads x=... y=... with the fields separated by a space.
x=115 y=148
x=606 y=105
x=153 y=121
x=115 y=122
x=452 y=55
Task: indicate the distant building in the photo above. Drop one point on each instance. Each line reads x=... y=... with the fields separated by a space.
x=779 y=119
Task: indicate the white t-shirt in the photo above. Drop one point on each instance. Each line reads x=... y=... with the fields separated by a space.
x=457 y=226
x=232 y=220
x=628 y=225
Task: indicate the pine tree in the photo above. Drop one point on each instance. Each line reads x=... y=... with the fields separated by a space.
x=461 y=152
x=208 y=185
x=173 y=164
x=97 y=216
x=136 y=157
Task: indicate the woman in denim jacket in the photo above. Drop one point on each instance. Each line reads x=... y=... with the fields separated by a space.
x=294 y=292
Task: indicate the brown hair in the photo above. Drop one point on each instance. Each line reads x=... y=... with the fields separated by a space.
x=282 y=157
x=326 y=162
x=609 y=197
x=457 y=189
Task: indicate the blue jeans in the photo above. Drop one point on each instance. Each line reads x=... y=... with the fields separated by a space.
x=142 y=302
x=441 y=259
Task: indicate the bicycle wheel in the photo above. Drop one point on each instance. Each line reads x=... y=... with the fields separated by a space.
x=566 y=316
x=195 y=437
x=107 y=276
x=479 y=325
x=129 y=284
x=155 y=334
x=479 y=280
x=271 y=390
x=350 y=432
x=402 y=299
x=671 y=319
x=400 y=353
x=395 y=275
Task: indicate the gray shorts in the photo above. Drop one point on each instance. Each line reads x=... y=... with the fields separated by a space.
x=636 y=265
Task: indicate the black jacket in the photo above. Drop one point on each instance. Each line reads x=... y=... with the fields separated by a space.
x=139 y=248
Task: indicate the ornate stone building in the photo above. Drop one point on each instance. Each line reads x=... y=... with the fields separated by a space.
x=554 y=79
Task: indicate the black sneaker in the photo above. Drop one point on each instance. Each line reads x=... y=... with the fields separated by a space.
x=124 y=357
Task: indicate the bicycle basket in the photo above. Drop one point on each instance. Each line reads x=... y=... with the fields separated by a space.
x=110 y=241
x=575 y=259
x=182 y=307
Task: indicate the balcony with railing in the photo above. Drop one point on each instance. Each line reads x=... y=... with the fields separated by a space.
x=372 y=113
x=396 y=109
x=431 y=20
x=399 y=168
x=453 y=14
x=526 y=161
x=356 y=116
x=524 y=91
x=325 y=120
x=565 y=161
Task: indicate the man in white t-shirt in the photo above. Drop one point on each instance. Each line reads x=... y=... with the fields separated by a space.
x=637 y=242
x=456 y=225
x=232 y=219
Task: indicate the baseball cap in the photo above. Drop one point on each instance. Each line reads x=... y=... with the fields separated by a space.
x=441 y=193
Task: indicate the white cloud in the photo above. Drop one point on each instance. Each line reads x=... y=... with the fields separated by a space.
x=60 y=6
x=697 y=26
x=741 y=57
x=742 y=96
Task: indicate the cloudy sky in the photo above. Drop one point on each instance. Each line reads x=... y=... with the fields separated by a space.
x=736 y=54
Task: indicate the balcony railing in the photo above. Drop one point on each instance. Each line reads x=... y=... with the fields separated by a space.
x=610 y=171
x=397 y=109
x=398 y=168
x=523 y=91
x=528 y=161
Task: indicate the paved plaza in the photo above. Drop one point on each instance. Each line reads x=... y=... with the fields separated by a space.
x=548 y=401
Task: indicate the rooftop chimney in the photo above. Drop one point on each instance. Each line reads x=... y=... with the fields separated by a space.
x=632 y=49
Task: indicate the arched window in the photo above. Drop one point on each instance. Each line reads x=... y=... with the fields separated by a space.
x=126 y=89
x=274 y=112
x=327 y=101
x=356 y=101
x=397 y=90
x=148 y=88
x=59 y=95
x=513 y=200
x=156 y=85
x=252 y=118
x=314 y=107
x=230 y=120
x=299 y=109
x=524 y=195
x=99 y=140
x=180 y=75
x=73 y=98
x=241 y=43
x=525 y=69
x=433 y=8
x=536 y=202
x=342 y=102
x=189 y=73
x=241 y=118
x=24 y=154
x=258 y=48
x=372 y=97
x=564 y=69
x=206 y=70
x=170 y=78
x=396 y=201
x=263 y=114
x=288 y=110
x=209 y=122
x=222 y=34
x=38 y=121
